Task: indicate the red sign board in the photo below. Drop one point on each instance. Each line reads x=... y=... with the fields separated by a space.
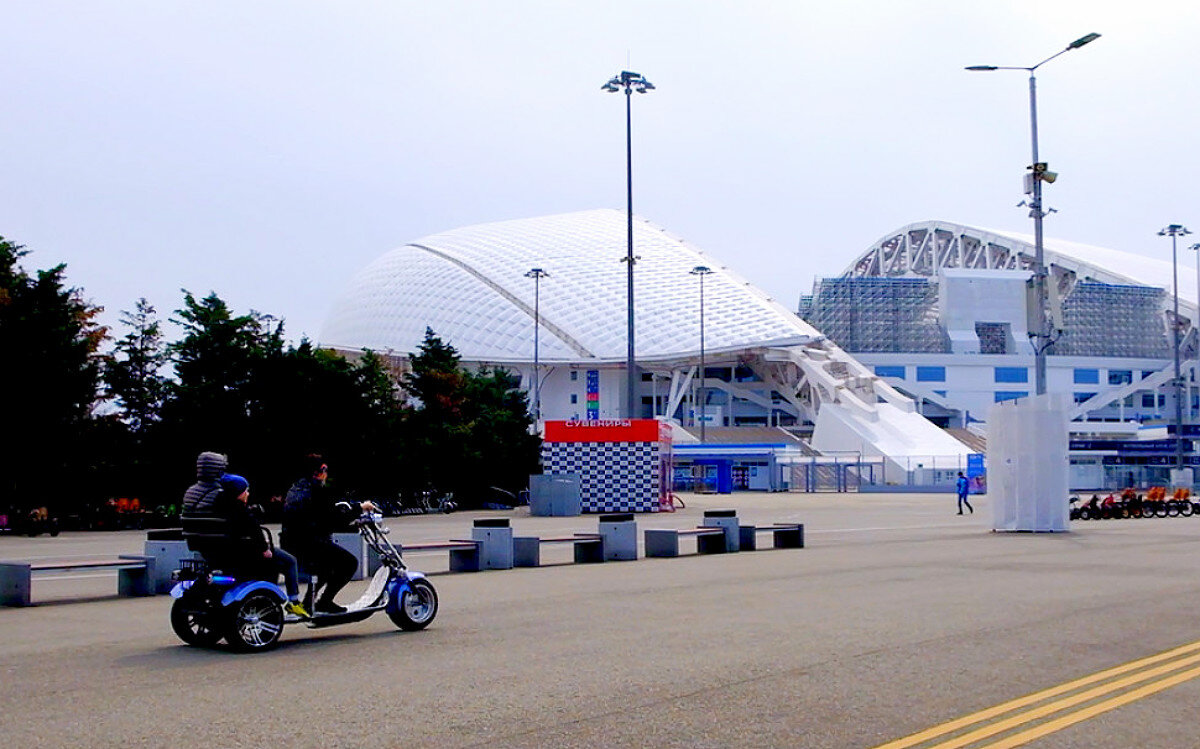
x=603 y=430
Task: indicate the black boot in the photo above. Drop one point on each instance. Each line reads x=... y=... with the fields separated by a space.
x=326 y=606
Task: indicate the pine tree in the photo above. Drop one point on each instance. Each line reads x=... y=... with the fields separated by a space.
x=467 y=432
x=134 y=375
x=51 y=380
x=214 y=364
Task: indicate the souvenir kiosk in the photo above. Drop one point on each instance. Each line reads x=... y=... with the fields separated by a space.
x=623 y=465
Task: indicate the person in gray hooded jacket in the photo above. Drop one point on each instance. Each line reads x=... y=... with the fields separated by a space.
x=219 y=525
x=200 y=501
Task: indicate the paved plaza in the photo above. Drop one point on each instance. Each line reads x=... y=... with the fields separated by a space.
x=898 y=617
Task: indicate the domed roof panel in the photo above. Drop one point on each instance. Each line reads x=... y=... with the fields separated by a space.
x=388 y=305
x=470 y=287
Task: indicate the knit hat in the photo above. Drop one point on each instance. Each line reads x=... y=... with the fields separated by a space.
x=234 y=484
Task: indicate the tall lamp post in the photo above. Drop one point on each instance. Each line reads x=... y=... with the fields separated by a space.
x=1040 y=333
x=1196 y=319
x=537 y=274
x=1174 y=231
x=702 y=271
x=629 y=82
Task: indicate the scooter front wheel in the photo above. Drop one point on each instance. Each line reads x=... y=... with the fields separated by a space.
x=417 y=606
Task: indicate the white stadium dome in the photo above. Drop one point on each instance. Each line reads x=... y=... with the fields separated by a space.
x=767 y=365
x=469 y=286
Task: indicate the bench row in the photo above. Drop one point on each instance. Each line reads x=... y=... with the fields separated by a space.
x=718 y=540
x=492 y=546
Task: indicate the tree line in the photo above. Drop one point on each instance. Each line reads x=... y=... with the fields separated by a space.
x=92 y=415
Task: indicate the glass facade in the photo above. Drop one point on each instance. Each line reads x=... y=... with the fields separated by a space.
x=1120 y=377
x=1010 y=395
x=931 y=374
x=1012 y=374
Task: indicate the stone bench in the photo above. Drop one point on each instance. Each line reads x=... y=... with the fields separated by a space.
x=662 y=542
x=588 y=548
x=169 y=550
x=783 y=535
x=464 y=554
x=135 y=575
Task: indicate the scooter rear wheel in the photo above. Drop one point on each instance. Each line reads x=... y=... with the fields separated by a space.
x=255 y=623
x=194 y=627
x=417 y=608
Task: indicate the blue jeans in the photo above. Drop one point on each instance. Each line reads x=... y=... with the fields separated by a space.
x=285 y=564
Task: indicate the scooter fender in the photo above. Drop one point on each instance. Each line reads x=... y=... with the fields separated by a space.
x=398 y=586
x=239 y=592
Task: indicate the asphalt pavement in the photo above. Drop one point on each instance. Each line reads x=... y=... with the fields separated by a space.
x=899 y=616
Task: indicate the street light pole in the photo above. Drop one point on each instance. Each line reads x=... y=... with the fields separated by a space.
x=1196 y=323
x=702 y=271
x=1040 y=333
x=1174 y=231
x=537 y=274
x=629 y=82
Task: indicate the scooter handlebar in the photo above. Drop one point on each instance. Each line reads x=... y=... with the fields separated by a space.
x=371 y=518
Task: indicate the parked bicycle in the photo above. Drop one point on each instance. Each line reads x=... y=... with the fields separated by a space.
x=433 y=501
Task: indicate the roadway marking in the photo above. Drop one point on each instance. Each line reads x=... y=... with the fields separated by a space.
x=1154 y=674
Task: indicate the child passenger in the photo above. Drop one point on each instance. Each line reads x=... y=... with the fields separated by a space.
x=244 y=526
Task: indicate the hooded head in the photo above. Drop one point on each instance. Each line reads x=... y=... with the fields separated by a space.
x=210 y=466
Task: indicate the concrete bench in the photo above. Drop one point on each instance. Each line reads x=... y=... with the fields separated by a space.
x=727 y=521
x=619 y=533
x=464 y=554
x=495 y=539
x=665 y=542
x=527 y=550
x=169 y=550
x=783 y=535
x=135 y=576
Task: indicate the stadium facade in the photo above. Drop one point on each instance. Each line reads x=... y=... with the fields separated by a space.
x=764 y=365
x=939 y=311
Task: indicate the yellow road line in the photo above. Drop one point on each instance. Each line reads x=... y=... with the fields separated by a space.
x=1079 y=698
x=1092 y=711
x=991 y=712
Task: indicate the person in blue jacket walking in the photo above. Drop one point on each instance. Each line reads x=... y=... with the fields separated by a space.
x=964 y=488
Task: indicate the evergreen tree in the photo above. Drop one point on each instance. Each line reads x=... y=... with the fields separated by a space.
x=437 y=435
x=51 y=379
x=243 y=393
x=312 y=400
x=134 y=375
x=214 y=363
x=502 y=438
x=467 y=432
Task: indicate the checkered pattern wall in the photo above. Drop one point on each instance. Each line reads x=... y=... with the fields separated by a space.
x=614 y=476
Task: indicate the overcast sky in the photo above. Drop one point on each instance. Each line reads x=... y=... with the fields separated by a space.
x=268 y=150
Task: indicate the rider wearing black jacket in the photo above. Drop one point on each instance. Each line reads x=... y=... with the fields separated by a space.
x=310 y=515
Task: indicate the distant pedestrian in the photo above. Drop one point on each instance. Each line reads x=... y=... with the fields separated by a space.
x=964 y=488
